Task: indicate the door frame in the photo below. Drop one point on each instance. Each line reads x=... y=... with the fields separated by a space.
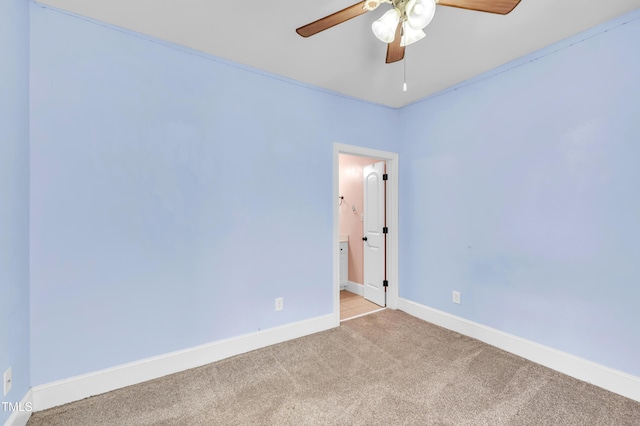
x=391 y=159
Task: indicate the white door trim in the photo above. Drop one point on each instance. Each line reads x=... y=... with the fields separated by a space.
x=391 y=159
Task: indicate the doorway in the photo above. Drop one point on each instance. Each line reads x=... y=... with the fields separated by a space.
x=363 y=156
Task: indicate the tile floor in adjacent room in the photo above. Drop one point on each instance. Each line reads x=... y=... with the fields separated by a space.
x=352 y=305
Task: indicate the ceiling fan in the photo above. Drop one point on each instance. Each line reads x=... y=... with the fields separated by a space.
x=403 y=23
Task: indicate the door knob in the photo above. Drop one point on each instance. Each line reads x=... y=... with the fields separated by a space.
x=364 y=238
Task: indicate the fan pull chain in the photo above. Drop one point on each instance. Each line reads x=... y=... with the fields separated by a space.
x=404 y=62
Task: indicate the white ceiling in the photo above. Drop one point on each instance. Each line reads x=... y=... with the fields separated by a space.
x=348 y=58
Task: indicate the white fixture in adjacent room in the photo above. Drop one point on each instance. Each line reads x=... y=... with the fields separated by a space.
x=344 y=261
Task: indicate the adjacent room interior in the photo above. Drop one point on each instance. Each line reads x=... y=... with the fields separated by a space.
x=356 y=174
x=163 y=208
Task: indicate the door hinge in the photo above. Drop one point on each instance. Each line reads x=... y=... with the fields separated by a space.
x=385 y=283
x=385 y=177
x=385 y=230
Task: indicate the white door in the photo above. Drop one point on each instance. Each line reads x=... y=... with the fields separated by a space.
x=373 y=238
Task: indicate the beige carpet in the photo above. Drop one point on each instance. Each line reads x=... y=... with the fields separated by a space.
x=386 y=368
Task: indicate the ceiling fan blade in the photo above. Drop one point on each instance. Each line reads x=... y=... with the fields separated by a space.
x=492 y=6
x=395 y=52
x=334 y=19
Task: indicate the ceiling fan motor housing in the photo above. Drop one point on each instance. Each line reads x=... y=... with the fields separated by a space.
x=371 y=4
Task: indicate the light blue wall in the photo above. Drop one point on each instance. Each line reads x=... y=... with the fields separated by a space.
x=521 y=189
x=14 y=197
x=174 y=196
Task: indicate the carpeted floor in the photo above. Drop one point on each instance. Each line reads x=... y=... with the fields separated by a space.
x=387 y=368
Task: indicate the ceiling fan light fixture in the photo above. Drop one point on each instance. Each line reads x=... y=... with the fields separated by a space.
x=420 y=13
x=410 y=35
x=416 y=14
x=385 y=27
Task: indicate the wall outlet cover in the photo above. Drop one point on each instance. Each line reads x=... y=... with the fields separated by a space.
x=279 y=303
x=456 y=297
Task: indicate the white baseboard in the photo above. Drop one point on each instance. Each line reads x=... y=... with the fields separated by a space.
x=21 y=416
x=80 y=387
x=612 y=380
x=355 y=288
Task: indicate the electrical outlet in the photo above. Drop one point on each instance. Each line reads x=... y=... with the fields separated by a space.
x=456 y=297
x=279 y=303
x=7 y=381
